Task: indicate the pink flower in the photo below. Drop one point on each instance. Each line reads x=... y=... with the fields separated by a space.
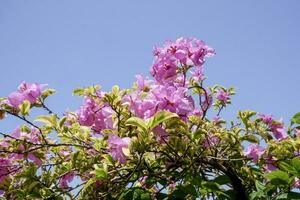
x=267 y=119
x=142 y=83
x=94 y=115
x=173 y=99
x=296 y=183
x=182 y=52
x=216 y=119
x=172 y=185
x=34 y=137
x=269 y=166
x=162 y=135
x=297 y=132
x=15 y=99
x=222 y=96
x=35 y=159
x=26 y=91
x=211 y=141
x=277 y=127
x=142 y=180
x=116 y=144
x=64 y=153
x=198 y=74
x=161 y=97
x=278 y=131
x=254 y=151
x=5 y=168
x=65 y=179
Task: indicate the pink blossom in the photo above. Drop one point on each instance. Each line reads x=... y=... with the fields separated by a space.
x=254 y=151
x=15 y=99
x=142 y=180
x=26 y=91
x=216 y=119
x=33 y=137
x=223 y=96
x=172 y=185
x=198 y=74
x=64 y=153
x=116 y=144
x=173 y=99
x=211 y=141
x=35 y=159
x=296 y=183
x=182 y=52
x=161 y=134
x=94 y=115
x=5 y=168
x=142 y=83
x=277 y=127
x=207 y=101
x=267 y=119
x=279 y=131
x=297 y=132
x=161 y=97
x=65 y=179
x=269 y=166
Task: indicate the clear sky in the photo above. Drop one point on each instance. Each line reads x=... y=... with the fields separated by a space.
x=69 y=44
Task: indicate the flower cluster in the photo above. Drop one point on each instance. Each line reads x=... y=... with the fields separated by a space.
x=97 y=116
x=173 y=55
x=276 y=127
x=116 y=147
x=26 y=91
x=22 y=141
x=156 y=140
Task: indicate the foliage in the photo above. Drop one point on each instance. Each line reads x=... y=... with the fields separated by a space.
x=152 y=141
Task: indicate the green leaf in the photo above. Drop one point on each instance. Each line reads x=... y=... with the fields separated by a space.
x=199 y=133
x=48 y=120
x=289 y=195
x=259 y=186
x=278 y=177
x=211 y=186
x=160 y=117
x=221 y=180
x=79 y=91
x=32 y=185
x=135 y=121
x=182 y=191
x=250 y=138
x=293 y=195
x=296 y=164
x=101 y=173
x=62 y=121
x=296 y=118
x=286 y=166
x=47 y=93
x=74 y=158
x=25 y=107
x=257 y=195
x=115 y=89
x=135 y=194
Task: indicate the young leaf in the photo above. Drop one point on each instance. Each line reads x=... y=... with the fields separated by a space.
x=25 y=107
x=160 y=117
x=278 y=177
x=296 y=164
x=48 y=120
x=296 y=118
x=135 y=121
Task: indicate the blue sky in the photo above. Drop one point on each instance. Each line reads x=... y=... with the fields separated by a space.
x=69 y=44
